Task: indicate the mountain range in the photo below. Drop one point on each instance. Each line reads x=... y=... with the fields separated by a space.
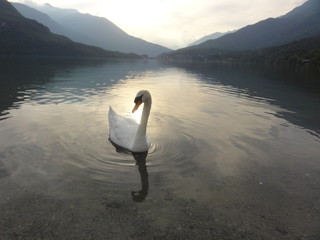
x=265 y=39
x=269 y=38
x=301 y=22
x=209 y=37
x=22 y=36
x=88 y=29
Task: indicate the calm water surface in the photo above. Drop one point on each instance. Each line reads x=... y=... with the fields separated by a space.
x=233 y=147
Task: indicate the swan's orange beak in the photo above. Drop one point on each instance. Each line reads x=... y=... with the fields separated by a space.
x=138 y=103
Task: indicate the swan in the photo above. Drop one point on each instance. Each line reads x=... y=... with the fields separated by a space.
x=126 y=132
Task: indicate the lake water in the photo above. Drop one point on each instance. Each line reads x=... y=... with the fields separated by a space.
x=235 y=151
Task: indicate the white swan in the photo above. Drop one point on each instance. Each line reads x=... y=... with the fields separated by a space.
x=126 y=132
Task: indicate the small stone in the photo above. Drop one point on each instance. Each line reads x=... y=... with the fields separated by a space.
x=281 y=230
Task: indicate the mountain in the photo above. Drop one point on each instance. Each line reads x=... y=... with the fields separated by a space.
x=44 y=19
x=301 y=22
x=302 y=51
x=54 y=27
x=92 y=30
x=39 y=17
x=209 y=37
x=7 y=10
x=305 y=51
x=22 y=36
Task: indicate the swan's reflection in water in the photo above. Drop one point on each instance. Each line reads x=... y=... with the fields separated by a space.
x=138 y=196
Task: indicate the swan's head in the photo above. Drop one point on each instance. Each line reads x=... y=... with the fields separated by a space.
x=141 y=97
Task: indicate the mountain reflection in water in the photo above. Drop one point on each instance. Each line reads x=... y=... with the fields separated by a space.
x=234 y=150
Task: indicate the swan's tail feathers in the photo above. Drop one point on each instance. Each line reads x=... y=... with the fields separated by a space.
x=112 y=115
x=111 y=111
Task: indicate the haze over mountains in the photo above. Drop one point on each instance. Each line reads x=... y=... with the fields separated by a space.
x=88 y=29
x=23 y=36
x=290 y=38
x=301 y=22
x=44 y=19
x=209 y=37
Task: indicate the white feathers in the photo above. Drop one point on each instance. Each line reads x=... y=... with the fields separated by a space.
x=126 y=132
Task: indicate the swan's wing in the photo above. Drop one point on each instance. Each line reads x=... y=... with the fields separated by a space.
x=122 y=130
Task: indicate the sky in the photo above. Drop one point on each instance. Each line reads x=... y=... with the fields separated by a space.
x=177 y=23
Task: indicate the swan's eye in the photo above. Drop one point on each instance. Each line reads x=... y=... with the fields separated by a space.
x=138 y=99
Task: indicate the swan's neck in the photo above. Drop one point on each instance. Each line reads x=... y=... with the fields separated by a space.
x=144 y=118
x=140 y=138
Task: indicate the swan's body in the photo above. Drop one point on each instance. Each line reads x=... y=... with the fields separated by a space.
x=126 y=132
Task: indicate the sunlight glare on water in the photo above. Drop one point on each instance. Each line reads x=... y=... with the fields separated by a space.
x=230 y=144
x=191 y=116
x=219 y=135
